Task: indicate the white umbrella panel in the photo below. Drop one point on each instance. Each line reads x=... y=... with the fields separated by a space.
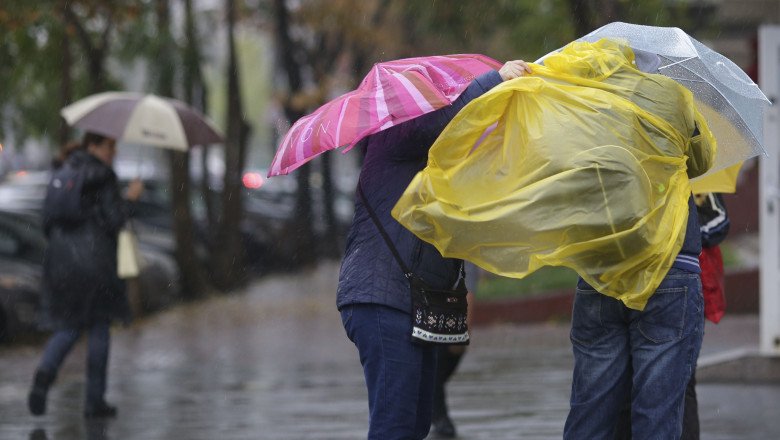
x=142 y=119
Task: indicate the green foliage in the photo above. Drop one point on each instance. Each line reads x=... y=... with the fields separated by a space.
x=510 y=29
x=544 y=280
x=27 y=70
x=330 y=34
x=504 y=29
x=31 y=71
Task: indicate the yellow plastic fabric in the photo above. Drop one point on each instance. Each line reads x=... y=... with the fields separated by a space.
x=584 y=164
x=723 y=181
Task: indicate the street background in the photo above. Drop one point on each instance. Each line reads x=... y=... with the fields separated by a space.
x=273 y=362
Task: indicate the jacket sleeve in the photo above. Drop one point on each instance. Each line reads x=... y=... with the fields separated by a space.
x=112 y=209
x=713 y=218
x=424 y=130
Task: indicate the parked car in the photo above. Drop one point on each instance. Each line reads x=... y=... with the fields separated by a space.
x=153 y=220
x=21 y=259
x=24 y=190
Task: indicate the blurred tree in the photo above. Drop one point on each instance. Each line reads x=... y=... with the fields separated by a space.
x=301 y=236
x=314 y=39
x=229 y=259
x=196 y=94
x=66 y=78
x=35 y=50
x=192 y=277
x=588 y=15
x=42 y=45
x=508 y=29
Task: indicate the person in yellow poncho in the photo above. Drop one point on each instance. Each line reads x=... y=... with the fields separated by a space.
x=585 y=164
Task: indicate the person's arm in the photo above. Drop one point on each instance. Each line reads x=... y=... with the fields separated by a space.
x=113 y=209
x=714 y=219
x=426 y=128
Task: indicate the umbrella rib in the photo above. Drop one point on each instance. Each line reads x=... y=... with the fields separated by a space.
x=747 y=126
x=675 y=63
x=749 y=129
x=694 y=80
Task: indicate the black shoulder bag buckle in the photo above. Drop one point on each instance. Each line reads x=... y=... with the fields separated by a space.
x=439 y=316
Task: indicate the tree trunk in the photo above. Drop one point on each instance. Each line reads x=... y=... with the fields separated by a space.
x=195 y=94
x=588 y=15
x=96 y=53
x=192 y=277
x=229 y=260
x=303 y=240
x=581 y=16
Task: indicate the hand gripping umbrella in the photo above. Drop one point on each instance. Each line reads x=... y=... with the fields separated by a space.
x=393 y=92
x=730 y=101
x=142 y=119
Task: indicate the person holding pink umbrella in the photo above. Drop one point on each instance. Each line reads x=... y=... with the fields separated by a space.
x=373 y=291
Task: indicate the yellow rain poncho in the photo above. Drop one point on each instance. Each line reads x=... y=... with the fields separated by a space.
x=583 y=164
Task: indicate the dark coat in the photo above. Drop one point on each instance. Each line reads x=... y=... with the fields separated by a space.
x=369 y=273
x=81 y=285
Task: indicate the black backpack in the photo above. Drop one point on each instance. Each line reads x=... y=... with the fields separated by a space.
x=63 y=203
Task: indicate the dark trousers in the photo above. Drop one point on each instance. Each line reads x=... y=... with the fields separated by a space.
x=690 y=416
x=645 y=357
x=399 y=374
x=447 y=362
x=62 y=342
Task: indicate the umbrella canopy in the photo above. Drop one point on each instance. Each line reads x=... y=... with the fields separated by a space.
x=142 y=119
x=730 y=101
x=391 y=93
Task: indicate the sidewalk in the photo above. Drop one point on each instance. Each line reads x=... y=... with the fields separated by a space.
x=274 y=363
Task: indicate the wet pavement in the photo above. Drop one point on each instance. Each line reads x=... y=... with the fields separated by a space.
x=274 y=363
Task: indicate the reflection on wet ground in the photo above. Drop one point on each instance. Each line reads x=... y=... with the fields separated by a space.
x=274 y=363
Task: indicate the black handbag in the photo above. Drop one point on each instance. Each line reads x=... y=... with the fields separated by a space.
x=439 y=316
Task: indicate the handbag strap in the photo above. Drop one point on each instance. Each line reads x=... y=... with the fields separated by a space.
x=407 y=273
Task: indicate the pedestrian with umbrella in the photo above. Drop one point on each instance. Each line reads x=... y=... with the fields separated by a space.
x=398 y=111
x=83 y=214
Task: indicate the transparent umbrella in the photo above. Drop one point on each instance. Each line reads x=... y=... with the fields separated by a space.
x=730 y=101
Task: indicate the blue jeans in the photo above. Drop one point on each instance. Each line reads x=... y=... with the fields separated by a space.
x=399 y=375
x=646 y=357
x=62 y=342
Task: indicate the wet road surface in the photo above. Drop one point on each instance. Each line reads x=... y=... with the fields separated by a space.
x=274 y=363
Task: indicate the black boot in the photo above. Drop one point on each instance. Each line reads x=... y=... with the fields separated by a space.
x=447 y=362
x=100 y=410
x=36 y=400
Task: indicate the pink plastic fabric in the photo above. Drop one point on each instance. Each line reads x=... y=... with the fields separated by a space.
x=391 y=93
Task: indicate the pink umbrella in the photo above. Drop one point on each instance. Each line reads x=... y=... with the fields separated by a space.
x=391 y=93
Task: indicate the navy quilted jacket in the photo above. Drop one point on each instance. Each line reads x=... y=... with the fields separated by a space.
x=369 y=272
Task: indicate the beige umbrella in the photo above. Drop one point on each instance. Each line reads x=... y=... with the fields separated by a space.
x=142 y=119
